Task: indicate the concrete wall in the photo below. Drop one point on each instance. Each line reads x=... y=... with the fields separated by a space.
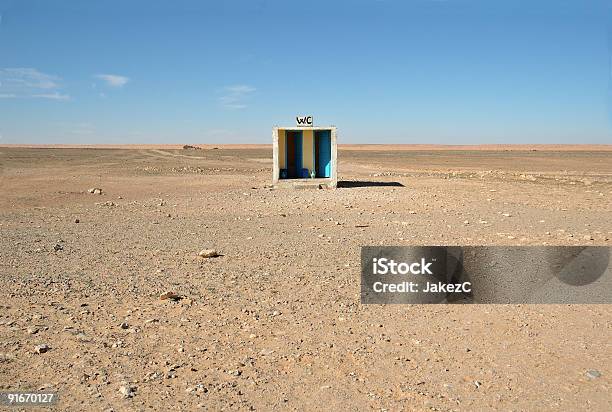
x=282 y=162
x=308 y=150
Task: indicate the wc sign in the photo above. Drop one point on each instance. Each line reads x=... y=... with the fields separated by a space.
x=303 y=120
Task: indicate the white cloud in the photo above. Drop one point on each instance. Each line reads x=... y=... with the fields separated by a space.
x=113 y=80
x=240 y=89
x=235 y=96
x=52 y=96
x=24 y=82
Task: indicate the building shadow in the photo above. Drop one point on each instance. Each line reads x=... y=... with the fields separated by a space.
x=366 y=183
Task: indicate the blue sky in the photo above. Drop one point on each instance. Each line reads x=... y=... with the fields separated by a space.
x=414 y=71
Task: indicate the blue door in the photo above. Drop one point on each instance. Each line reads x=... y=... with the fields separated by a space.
x=324 y=153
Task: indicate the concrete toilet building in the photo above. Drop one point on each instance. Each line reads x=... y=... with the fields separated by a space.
x=305 y=155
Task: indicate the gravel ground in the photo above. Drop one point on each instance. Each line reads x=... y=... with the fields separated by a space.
x=275 y=322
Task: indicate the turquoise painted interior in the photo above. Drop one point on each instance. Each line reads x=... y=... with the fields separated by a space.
x=323 y=158
x=304 y=152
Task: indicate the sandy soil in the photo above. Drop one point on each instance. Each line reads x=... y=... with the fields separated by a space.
x=275 y=322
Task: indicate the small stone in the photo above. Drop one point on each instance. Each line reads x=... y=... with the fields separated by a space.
x=32 y=330
x=587 y=237
x=82 y=337
x=76 y=220
x=127 y=391
x=169 y=295
x=506 y=214
x=124 y=325
x=477 y=384
x=208 y=253
x=58 y=247
x=95 y=191
x=6 y=357
x=593 y=374
x=41 y=348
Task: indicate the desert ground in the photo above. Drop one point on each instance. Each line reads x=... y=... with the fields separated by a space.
x=275 y=322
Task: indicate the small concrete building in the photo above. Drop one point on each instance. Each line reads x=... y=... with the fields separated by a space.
x=305 y=156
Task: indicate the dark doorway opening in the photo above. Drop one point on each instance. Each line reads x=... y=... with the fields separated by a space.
x=293 y=147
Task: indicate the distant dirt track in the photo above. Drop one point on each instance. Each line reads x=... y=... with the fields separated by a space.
x=374 y=147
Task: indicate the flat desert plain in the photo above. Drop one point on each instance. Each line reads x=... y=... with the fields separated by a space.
x=275 y=322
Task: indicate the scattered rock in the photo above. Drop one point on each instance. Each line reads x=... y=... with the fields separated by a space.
x=83 y=338
x=478 y=384
x=32 y=330
x=208 y=253
x=95 y=191
x=127 y=391
x=169 y=295
x=76 y=221
x=6 y=357
x=124 y=325
x=41 y=348
x=593 y=374
x=58 y=247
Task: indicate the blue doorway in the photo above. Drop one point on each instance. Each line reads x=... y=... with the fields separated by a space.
x=323 y=153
